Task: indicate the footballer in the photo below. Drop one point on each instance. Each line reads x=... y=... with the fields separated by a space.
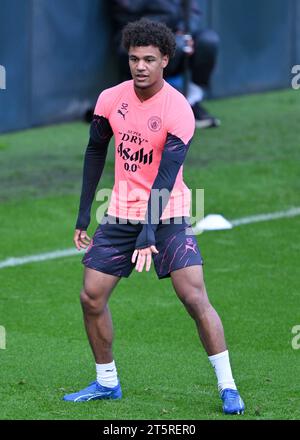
x=153 y=126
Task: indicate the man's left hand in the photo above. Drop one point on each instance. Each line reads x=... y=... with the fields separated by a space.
x=142 y=256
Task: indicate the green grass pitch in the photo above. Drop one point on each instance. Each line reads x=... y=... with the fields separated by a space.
x=248 y=166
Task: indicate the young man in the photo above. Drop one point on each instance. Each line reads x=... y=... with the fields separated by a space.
x=153 y=127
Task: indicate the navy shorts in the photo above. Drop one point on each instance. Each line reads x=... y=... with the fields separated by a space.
x=112 y=246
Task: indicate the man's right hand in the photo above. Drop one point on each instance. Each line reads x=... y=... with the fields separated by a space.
x=81 y=239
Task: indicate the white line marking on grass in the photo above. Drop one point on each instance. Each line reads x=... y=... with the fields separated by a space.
x=293 y=212
x=10 y=262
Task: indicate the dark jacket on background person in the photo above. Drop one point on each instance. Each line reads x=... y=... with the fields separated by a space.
x=170 y=12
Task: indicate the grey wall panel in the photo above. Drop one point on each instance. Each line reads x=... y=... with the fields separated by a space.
x=71 y=57
x=296 y=33
x=15 y=56
x=205 y=8
x=256 y=45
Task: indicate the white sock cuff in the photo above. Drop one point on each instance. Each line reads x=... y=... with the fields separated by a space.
x=107 y=374
x=218 y=355
x=104 y=367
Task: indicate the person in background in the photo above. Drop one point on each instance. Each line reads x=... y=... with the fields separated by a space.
x=201 y=47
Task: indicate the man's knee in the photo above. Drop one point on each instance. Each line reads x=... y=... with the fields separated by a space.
x=92 y=301
x=195 y=297
x=205 y=56
x=208 y=39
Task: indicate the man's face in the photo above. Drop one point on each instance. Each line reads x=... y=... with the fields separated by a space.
x=146 y=65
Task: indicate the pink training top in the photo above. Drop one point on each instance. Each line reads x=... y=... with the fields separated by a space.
x=140 y=130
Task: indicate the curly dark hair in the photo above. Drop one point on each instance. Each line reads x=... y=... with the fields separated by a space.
x=146 y=32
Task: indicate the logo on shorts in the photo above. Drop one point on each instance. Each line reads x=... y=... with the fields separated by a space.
x=154 y=123
x=190 y=245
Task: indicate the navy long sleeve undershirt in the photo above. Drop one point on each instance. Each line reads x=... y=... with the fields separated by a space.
x=94 y=160
x=171 y=160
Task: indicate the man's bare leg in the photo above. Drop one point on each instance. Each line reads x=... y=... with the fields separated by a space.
x=190 y=288
x=189 y=285
x=97 y=288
